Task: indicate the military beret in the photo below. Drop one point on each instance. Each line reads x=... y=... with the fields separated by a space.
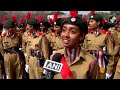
x=78 y=21
x=58 y=22
x=21 y=25
x=1 y=25
x=33 y=21
x=8 y=24
x=96 y=17
x=45 y=23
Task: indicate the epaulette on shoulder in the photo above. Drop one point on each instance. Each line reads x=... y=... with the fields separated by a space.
x=41 y=34
x=104 y=31
x=4 y=34
x=87 y=53
x=108 y=33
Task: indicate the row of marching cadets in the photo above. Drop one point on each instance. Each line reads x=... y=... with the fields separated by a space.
x=89 y=49
x=26 y=44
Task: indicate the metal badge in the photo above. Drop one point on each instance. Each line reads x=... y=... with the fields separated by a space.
x=73 y=19
x=91 y=16
x=54 y=23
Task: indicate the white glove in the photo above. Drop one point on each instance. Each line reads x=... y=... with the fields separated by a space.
x=25 y=54
x=26 y=68
x=108 y=76
x=54 y=52
x=20 y=48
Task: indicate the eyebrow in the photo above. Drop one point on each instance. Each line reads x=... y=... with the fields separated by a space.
x=70 y=27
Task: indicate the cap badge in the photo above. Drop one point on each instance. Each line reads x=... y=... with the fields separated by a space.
x=55 y=23
x=91 y=16
x=40 y=23
x=73 y=19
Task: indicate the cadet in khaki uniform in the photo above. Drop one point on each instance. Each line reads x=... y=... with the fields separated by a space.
x=38 y=49
x=77 y=63
x=96 y=41
x=44 y=25
x=12 y=60
x=54 y=38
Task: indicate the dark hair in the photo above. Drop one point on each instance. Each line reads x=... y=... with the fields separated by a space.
x=36 y=27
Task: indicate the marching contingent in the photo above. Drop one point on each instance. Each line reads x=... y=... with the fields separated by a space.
x=74 y=47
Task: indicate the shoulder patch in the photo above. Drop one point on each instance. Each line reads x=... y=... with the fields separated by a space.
x=104 y=31
x=41 y=34
x=4 y=34
x=87 y=53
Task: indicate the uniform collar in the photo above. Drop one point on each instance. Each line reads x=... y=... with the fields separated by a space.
x=81 y=56
x=97 y=32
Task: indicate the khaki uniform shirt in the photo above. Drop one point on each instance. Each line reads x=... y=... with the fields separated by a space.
x=83 y=66
x=55 y=41
x=93 y=42
x=41 y=43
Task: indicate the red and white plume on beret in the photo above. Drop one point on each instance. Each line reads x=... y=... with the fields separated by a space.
x=73 y=15
x=27 y=17
x=55 y=17
x=13 y=18
x=21 y=21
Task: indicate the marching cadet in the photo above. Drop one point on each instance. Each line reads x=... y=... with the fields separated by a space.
x=54 y=37
x=38 y=50
x=12 y=60
x=23 y=38
x=99 y=45
x=51 y=28
x=44 y=25
x=77 y=63
x=25 y=35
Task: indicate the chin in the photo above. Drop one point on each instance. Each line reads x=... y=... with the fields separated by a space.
x=66 y=45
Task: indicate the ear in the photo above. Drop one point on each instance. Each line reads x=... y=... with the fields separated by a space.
x=82 y=37
x=98 y=23
x=31 y=26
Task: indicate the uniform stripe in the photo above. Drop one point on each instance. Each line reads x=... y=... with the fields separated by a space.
x=100 y=58
x=72 y=53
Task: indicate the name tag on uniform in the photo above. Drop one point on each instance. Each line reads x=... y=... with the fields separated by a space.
x=53 y=66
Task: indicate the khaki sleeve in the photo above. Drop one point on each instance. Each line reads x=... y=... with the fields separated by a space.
x=28 y=55
x=93 y=70
x=85 y=43
x=110 y=54
x=24 y=43
x=1 y=47
x=110 y=65
x=109 y=44
x=117 y=72
x=45 y=47
x=116 y=42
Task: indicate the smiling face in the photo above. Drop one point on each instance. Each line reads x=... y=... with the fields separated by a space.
x=70 y=35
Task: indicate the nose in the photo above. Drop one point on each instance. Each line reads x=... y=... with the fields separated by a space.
x=66 y=33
